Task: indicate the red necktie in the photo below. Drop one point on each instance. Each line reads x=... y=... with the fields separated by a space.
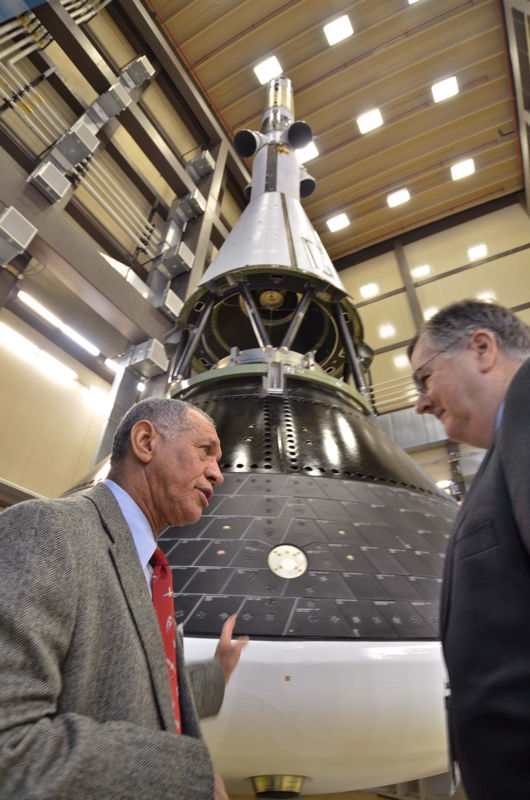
x=162 y=588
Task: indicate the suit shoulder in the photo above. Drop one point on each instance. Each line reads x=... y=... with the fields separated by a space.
x=516 y=403
x=43 y=507
x=55 y=519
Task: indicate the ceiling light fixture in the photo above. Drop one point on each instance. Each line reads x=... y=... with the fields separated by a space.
x=39 y=309
x=369 y=120
x=477 y=251
x=421 y=272
x=386 y=331
x=444 y=89
x=268 y=69
x=462 y=169
x=397 y=198
x=338 y=222
x=369 y=290
x=487 y=297
x=401 y=361
x=112 y=365
x=338 y=30
x=43 y=312
x=80 y=340
x=430 y=312
x=305 y=154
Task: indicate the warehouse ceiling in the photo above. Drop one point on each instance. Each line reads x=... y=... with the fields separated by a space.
x=396 y=53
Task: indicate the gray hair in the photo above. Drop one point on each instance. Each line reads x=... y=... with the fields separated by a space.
x=168 y=416
x=452 y=326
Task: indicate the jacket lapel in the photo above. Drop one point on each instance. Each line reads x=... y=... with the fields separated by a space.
x=132 y=580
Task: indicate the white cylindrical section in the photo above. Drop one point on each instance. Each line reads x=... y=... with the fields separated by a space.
x=288 y=172
x=259 y=171
x=348 y=715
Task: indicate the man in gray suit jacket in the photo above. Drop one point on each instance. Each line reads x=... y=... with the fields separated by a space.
x=86 y=708
x=472 y=369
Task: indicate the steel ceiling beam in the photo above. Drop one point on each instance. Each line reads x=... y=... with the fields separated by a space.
x=410 y=289
x=135 y=120
x=75 y=260
x=202 y=230
x=142 y=18
x=517 y=14
x=78 y=47
x=42 y=62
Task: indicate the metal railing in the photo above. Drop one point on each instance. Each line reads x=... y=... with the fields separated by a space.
x=393 y=394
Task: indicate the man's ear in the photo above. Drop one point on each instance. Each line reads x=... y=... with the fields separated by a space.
x=484 y=344
x=143 y=436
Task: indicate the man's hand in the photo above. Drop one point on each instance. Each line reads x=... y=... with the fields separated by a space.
x=220 y=791
x=228 y=652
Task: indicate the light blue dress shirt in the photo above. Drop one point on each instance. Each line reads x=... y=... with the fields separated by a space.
x=498 y=418
x=143 y=538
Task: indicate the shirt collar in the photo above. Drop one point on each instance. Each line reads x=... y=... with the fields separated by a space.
x=135 y=518
x=498 y=418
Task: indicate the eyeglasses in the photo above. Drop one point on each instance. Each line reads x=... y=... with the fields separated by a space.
x=420 y=382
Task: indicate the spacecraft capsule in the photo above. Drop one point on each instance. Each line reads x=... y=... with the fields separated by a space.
x=325 y=538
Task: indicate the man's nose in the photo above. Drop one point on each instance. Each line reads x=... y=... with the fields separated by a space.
x=214 y=474
x=423 y=404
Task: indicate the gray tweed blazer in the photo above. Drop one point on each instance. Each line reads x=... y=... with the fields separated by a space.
x=85 y=703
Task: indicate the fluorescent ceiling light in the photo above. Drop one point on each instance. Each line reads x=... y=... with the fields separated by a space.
x=140 y=386
x=57 y=323
x=462 y=169
x=268 y=69
x=39 y=309
x=397 y=198
x=370 y=120
x=401 y=361
x=81 y=341
x=421 y=271
x=38 y=358
x=430 y=312
x=487 y=297
x=411 y=2
x=444 y=89
x=338 y=222
x=476 y=252
x=386 y=331
x=112 y=365
x=305 y=154
x=338 y=30
x=369 y=290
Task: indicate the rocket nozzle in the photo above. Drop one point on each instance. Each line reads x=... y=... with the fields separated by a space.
x=307 y=183
x=246 y=142
x=299 y=134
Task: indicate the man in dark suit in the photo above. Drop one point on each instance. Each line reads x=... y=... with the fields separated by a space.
x=87 y=709
x=472 y=370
